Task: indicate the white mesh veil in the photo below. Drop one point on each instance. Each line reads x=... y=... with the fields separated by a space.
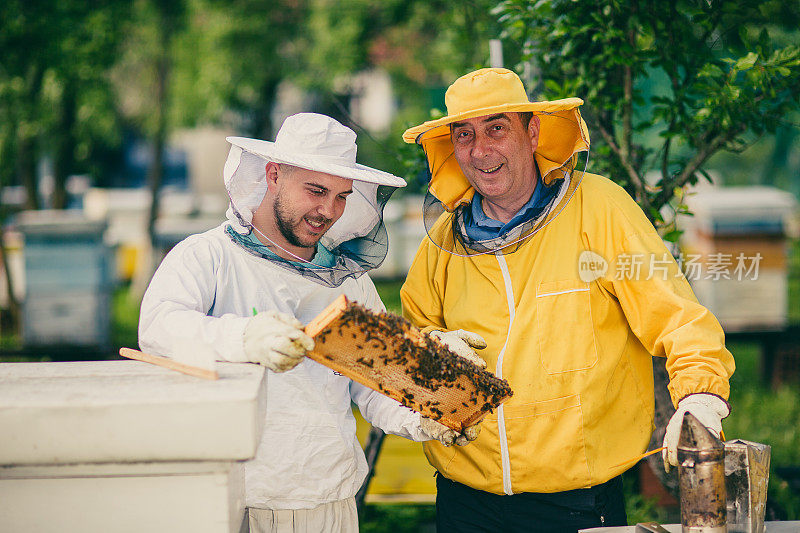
x=358 y=240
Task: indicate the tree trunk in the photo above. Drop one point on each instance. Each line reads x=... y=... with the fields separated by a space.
x=664 y=411
x=14 y=309
x=26 y=169
x=262 y=115
x=64 y=157
x=26 y=137
x=779 y=158
x=155 y=175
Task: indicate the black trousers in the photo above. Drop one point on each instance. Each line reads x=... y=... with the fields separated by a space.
x=464 y=509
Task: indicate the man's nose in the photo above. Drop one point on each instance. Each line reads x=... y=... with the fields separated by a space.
x=480 y=147
x=327 y=207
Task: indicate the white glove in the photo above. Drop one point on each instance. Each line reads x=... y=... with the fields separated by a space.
x=709 y=411
x=463 y=343
x=276 y=340
x=447 y=436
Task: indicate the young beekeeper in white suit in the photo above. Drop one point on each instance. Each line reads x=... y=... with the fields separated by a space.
x=304 y=225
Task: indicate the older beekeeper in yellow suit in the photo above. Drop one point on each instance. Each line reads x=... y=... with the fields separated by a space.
x=531 y=255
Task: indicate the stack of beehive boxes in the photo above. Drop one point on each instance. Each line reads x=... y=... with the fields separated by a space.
x=735 y=254
x=124 y=446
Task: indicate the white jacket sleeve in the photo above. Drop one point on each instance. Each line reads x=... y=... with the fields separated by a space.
x=379 y=410
x=176 y=303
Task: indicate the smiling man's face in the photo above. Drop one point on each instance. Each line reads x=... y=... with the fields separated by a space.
x=307 y=203
x=495 y=152
x=298 y=207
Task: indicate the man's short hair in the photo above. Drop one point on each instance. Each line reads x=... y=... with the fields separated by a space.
x=286 y=168
x=524 y=117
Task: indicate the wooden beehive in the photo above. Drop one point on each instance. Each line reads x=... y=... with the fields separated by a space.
x=387 y=354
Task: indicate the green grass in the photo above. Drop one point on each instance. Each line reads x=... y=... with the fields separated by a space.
x=769 y=417
x=794 y=282
x=8 y=341
x=398 y=518
x=761 y=414
x=389 y=292
x=641 y=509
x=125 y=313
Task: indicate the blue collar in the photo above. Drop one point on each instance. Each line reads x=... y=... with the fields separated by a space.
x=481 y=227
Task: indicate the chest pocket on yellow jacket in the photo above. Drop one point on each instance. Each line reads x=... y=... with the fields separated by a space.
x=564 y=327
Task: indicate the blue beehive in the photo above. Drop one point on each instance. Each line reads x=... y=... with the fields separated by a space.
x=67 y=280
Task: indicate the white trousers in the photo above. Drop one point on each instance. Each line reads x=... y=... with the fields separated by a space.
x=335 y=517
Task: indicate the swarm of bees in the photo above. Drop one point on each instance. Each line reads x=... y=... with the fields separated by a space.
x=387 y=353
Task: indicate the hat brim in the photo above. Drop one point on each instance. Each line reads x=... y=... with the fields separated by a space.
x=266 y=149
x=413 y=135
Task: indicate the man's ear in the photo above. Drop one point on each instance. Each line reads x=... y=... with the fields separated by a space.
x=533 y=131
x=272 y=175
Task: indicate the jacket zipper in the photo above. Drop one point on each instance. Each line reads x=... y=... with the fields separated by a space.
x=501 y=421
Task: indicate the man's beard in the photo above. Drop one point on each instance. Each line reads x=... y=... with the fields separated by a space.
x=288 y=227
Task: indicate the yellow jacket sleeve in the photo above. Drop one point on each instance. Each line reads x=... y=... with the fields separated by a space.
x=661 y=309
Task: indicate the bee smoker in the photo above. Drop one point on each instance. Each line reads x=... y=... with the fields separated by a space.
x=746 y=480
x=701 y=475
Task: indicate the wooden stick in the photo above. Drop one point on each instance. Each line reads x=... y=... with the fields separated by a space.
x=166 y=362
x=651 y=452
x=638 y=457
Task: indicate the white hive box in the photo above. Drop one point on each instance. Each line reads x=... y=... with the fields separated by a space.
x=406 y=230
x=738 y=242
x=125 y=446
x=67 y=279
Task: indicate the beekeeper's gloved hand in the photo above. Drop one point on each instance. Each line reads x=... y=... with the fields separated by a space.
x=463 y=343
x=276 y=340
x=709 y=411
x=447 y=436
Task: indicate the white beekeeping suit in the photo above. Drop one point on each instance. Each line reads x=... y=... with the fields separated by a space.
x=206 y=288
x=209 y=285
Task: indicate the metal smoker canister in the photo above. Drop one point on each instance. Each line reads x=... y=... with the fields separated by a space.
x=746 y=481
x=701 y=474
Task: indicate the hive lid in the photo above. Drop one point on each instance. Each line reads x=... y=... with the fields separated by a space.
x=127 y=411
x=59 y=222
x=728 y=211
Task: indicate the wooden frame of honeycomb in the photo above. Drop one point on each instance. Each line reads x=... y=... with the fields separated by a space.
x=386 y=353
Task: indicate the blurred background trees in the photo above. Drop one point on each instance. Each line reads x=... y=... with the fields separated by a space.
x=55 y=96
x=77 y=80
x=667 y=84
